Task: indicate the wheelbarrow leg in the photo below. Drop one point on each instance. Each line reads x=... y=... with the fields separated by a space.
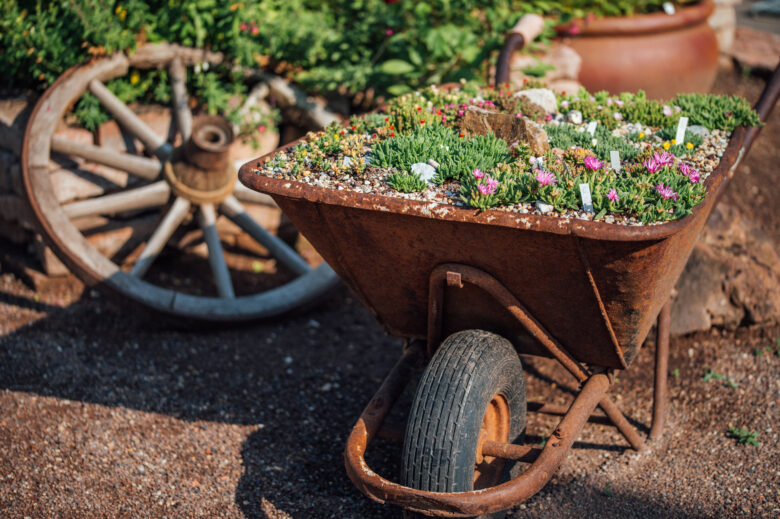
x=661 y=371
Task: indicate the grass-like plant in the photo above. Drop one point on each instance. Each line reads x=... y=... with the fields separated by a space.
x=744 y=436
x=457 y=156
x=566 y=136
x=406 y=182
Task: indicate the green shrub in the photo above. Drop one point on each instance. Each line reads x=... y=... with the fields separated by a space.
x=406 y=182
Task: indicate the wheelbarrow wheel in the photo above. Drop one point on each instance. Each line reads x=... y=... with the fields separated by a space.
x=472 y=390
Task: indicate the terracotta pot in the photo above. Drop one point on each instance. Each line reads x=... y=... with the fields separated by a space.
x=659 y=53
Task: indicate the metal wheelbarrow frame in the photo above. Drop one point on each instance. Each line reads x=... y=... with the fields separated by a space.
x=629 y=273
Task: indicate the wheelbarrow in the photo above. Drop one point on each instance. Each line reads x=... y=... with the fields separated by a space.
x=472 y=290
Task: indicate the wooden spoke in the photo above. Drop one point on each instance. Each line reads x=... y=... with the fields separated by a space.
x=130 y=121
x=153 y=195
x=233 y=209
x=160 y=236
x=208 y=219
x=244 y=194
x=181 y=106
x=139 y=166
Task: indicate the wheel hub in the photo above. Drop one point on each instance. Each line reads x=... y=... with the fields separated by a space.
x=495 y=427
x=200 y=170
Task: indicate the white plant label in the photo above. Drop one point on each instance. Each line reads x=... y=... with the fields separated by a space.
x=587 y=202
x=680 y=137
x=669 y=8
x=614 y=158
x=592 y=127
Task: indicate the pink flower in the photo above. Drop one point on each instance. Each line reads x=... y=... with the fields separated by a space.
x=261 y=128
x=444 y=118
x=489 y=188
x=685 y=169
x=612 y=195
x=677 y=109
x=564 y=104
x=548 y=117
x=619 y=103
x=389 y=32
x=652 y=166
x=255 y=30
x=609 y=101
x=461 y=112
x=574 y=29
x=694 y=177
x=545 y=178
x=478 y=173
x=518 y=114
x=667 y=111
x=593 y=164
x=244 y=26
x=664 y=159
x=618 y=116
x=666 y=191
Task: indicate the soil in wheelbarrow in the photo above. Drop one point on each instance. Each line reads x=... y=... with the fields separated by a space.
x=104 y=414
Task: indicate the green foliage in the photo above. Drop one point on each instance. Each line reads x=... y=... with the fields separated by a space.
x=457 y=157
x=538 y=69
x=406 y=182
x=744 y=436
x=717 y=112
x=566 y=136
x=713 y=375
x=667 y=134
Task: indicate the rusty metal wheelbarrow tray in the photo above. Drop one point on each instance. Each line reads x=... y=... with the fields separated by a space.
x=583 y=292
x=598 y=286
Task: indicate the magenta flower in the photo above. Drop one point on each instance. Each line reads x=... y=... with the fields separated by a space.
x=667 y=111
x=545 y=178
x=652 y=166
x=244 y=26
x=664 y=159
x=694 y=177
x=461 y=112
x=685 y=169
x=593 y=164
x=574 y=29
x=518 y=114
x=666 y=191
x=548 y=117
x=489 y=188
x=612 y=195
x=389 y=32
x=478 y=173
x=255 y=30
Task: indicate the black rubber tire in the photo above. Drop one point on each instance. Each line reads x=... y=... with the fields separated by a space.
x=442 y=431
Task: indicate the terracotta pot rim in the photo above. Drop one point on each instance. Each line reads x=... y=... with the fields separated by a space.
x=639 y=24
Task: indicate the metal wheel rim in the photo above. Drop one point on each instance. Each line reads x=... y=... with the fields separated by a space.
x=70 y=245
x=495 y=427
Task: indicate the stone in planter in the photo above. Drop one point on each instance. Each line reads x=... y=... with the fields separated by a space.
x=543 y=97
x=510 y=128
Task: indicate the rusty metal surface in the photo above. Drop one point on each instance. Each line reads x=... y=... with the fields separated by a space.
x=597 y=286
x=661 y=372
x=463 y=504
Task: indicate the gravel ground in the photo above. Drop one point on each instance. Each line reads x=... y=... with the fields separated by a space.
x=105 y=414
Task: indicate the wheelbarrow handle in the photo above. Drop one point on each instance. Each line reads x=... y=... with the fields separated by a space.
x=766 y=102
x=526 y=30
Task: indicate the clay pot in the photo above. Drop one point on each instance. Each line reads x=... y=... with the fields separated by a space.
x=659 y=53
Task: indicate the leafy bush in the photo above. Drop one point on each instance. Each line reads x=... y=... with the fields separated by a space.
x=406 y=182
x=389 y=47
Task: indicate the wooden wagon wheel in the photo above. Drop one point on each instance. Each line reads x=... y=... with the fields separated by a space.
x=173 y=182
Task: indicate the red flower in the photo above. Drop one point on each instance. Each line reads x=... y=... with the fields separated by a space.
x=422 y=121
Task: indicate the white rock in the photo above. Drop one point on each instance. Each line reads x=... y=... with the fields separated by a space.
x=433 y=163
x=574 y=117
x=543 y=207
x=543 y=97
x=425 y=171
x=347 y=162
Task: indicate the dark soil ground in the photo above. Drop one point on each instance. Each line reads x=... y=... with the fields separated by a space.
x=104 y=413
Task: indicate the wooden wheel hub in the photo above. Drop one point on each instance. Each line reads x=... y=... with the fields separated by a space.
x=200 y=169
x=495 y=427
